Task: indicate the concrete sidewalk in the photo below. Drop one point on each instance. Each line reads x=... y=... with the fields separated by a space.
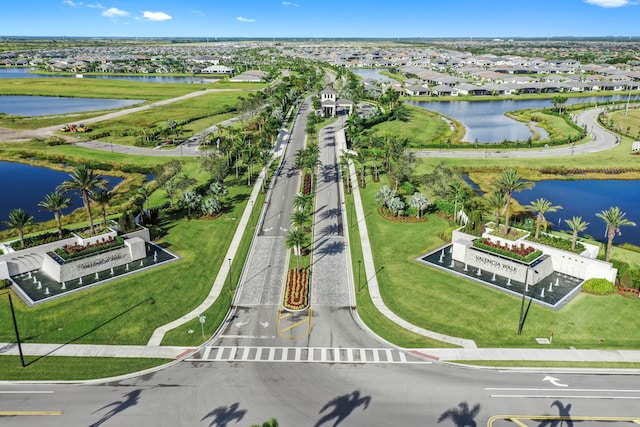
x=96 y=350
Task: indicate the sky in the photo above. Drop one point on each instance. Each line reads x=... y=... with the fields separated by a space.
x=320 y=18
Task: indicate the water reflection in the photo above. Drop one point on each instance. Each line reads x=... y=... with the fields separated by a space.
x=24 y=73
x=485 y=121
x=16 y=105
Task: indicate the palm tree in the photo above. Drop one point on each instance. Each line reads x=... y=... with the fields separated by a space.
x=103 y=198
x=296 y=240
x=218 y=189
x=19 y=219
x=496 y=203
x=84 y=180
x=420 y=202
x=457 y=188
x=55 y=202
x=614 y=218
x=302 y=201
x=300 y=219
x=541 y=206
x=191 y=200
x=509 y=182
x=576 y=224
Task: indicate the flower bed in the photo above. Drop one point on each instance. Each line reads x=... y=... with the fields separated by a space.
x=68 y=252
x=307 y=184
x=296 y=295
x=509 y=233
x=520 y=253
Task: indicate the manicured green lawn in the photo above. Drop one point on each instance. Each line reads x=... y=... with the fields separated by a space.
x=127 y=311
x=369 y=314
x=423 y=127
x=441 y=302
x=124 y=129
x=55 y=368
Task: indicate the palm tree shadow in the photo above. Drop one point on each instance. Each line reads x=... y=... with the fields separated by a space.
x=563 y=412
x=343 y=406
x=461 y=416
x=223 y=415
x=130 y=399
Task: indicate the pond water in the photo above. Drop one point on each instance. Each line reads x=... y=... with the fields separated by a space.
x=29 y=185
x=372 y=74
x=485 y=120
x=45 y=105
x=585 y=198
x=20 y=73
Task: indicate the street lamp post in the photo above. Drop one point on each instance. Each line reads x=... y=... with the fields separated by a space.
x=230 y=288
x=524 y=293
x=15 y=327
x=359 y=264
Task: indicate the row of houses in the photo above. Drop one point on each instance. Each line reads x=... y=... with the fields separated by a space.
x=513 y=88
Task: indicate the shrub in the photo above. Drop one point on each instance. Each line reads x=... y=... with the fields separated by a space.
x=4 y=283
x=626 y=281
x=444 y=207
x=598 y=287
x=630 y=247
x=557 y=242
x=41 y=239
x=407 y=188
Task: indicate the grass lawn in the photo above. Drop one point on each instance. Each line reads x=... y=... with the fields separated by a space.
x=370 y=315
x=545 y=364
x=213 y=106
x=127 y=311
x=423 y=127
x=441 y=302
x=628 y=123
x=55 y=368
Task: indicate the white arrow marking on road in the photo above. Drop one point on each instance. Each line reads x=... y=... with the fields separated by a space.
x=264 y=324
x=554 y=381
x=283 y=229
x=241 y=324
x=267 y=229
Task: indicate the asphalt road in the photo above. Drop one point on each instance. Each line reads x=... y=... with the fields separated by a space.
x=318 y=368
x=220 y=394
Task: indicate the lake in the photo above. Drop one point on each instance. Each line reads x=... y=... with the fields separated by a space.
x=29 y=185
x=51 y=105
x=585 y=198
x=372 y=74
x=22 y=73
x=485 y=120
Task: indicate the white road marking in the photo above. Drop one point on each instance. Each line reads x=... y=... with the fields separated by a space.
x=26 y=392
x=579 y=390
x=562 y=396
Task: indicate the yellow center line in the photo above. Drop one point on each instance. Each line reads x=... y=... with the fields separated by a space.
x=516 y=418
x=28 y=413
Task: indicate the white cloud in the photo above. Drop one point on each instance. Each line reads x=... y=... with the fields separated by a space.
x=96 y=6
x=288 y=3
x=156 y=16
x=114 y=12
x=609 y=3
x=241 y=19
x=72 y=3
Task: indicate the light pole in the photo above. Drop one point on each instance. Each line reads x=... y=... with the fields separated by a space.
x=252 y=221
x=359 y=264
x=230 y=288
x=524 y=293
x=15 y=327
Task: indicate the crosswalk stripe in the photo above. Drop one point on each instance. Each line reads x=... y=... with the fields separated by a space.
x=304 y=354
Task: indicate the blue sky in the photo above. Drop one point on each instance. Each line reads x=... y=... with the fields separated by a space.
x=321 y=18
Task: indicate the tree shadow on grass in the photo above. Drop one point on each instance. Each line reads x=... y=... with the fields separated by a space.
x=149 y=300
x=130 y=399
x=223 y=415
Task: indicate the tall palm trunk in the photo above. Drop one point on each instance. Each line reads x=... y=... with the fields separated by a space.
x=56 y=214
x=611 y=234
x=87 y=206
